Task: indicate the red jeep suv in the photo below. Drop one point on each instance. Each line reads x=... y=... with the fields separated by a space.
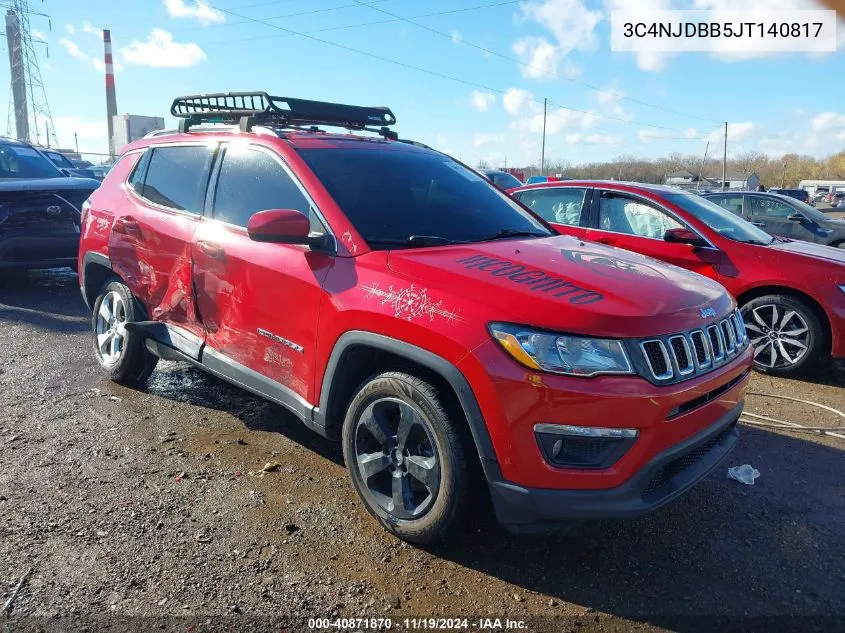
x=394 y=299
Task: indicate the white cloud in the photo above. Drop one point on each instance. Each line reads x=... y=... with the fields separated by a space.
x=487 y=138
x=516 y=100
x=39 y=35
x=609 y=100
x=690 y=132
x=539 y=56
x=72 y=49
x=737 y=132
x=161 y=51
x=194 y=9
x=557 y=120
x=647 y=61
x=828 y=121
x=456 y=36
x=70 y=28
x=572 y=26
x=482 y=101
x=87 y=28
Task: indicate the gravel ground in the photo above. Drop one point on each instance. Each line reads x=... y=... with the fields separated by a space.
x=148 y=510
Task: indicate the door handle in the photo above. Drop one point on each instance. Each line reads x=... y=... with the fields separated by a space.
x=605 y=240
x=215 y=251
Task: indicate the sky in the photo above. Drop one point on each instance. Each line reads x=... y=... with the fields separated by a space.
x=467 y=77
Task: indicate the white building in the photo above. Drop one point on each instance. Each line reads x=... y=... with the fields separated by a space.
x=812 y=186
x=131 y=127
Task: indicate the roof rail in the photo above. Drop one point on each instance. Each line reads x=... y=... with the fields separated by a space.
x=259 y=108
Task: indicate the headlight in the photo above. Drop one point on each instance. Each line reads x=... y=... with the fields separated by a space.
x=562 y=354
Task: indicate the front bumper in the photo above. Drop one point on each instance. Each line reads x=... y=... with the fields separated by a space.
x=669 y=474
x=42 y=251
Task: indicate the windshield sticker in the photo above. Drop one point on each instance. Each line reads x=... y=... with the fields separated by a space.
x=538 y=280
x=25 y=151
x=411 y=303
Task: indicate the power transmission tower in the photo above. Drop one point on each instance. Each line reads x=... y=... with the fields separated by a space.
x=28 y=105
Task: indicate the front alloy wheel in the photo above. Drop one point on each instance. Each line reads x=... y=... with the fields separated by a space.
x=784 y=332
x=396 y=458
x=404 y=450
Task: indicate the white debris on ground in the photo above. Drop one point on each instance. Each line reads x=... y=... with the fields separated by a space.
x=745 y=474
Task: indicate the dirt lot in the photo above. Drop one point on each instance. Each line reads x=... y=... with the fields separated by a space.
x=140 y=510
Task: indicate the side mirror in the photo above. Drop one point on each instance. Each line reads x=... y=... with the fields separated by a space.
x=796 y=217
x=683 y=236
x=282 y=226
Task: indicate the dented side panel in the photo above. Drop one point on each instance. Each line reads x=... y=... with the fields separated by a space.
x=260 y=302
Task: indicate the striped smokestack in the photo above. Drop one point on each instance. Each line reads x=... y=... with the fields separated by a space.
x=111 y=97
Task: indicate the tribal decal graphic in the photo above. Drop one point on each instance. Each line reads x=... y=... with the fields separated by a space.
x=411 y=303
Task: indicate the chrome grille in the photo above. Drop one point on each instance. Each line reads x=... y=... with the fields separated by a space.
x=657 y=359
x=687 y=354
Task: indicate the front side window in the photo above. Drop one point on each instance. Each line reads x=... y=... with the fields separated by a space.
x=718 y=219
x=561 y=205
x=621 y=214
x=504 y=180
x=769 y=207
x=731 y=203
x=392 y=194
x=176 y=176
x=251 y=181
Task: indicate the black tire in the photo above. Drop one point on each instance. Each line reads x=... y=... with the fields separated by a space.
x=135 y=362
x=814 y=340
x=395 y=398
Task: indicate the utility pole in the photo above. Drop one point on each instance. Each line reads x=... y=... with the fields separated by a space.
x=76 y=141
x=18 y=72
x=704 y=160
x=111 y=99
x=783 y=175
x=543 y=151
x=725 y=158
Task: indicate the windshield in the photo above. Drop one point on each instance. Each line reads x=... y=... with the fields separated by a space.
x=21 y=161
x=807 y=210
x=504 y=180
x=394 y=195
x=60 y=160
x=720 y=220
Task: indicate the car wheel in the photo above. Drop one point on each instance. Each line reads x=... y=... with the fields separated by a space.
x=405 y=458
x=121 y=354
x=785 y=333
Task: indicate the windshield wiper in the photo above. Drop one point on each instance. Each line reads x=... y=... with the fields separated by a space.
x=508 y=233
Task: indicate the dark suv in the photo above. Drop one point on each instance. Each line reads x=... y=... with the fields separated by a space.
x=397 y=301
x=798 y=194
x=39 y=209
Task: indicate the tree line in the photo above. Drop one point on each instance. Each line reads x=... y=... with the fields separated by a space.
x=786 y=171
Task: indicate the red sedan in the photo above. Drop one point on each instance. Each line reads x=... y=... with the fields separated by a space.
x=792 y=294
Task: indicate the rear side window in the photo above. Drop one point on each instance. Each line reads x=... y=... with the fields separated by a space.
x=176 y=176
x=251 y=181
x=560 y=205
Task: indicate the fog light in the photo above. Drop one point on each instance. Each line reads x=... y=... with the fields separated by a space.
x=583 y=446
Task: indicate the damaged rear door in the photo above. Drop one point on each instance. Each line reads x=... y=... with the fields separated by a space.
x=150 y=241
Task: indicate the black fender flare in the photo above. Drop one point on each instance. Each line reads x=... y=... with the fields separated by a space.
x=429 y=360
x=91 y=258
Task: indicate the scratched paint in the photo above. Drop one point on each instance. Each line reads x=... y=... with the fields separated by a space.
x=411 y=302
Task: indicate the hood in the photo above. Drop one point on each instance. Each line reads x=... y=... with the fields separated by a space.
x=568 y=285
x=817 y=251
x=61 y=183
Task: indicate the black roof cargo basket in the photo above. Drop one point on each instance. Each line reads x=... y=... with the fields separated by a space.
x=259 y=108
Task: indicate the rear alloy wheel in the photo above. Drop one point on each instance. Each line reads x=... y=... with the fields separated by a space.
x=785 y=333
x=120 y=354
x=405 y=457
